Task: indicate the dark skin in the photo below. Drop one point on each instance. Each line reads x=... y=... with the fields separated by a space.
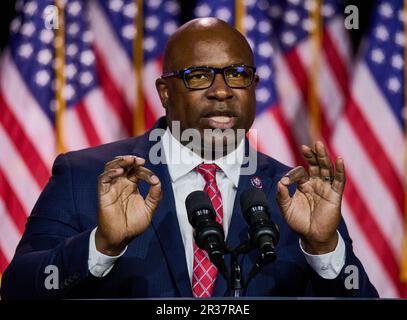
x=314 y=211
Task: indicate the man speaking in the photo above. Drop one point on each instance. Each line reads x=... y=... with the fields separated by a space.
x=112 y=221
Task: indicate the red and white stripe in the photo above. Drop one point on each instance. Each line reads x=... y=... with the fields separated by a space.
x=368 y=135
x=113 y=56
x=116 y=73
x=10 y=234
x=274 y=137
x=27 y=146
x=25 y=113
x=366 y=253
x=152 y=71
x=27 y=151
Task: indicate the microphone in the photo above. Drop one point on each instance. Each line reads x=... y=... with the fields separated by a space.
x=208 y=234
x=264 y=234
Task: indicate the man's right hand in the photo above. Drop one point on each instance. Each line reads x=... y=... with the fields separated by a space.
x=123 y=212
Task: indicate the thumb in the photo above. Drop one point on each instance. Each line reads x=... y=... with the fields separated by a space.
x=283 y=196
x=154 y=194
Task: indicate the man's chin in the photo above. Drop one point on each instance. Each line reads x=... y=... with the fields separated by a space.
x=215 y=142
x=222 y=144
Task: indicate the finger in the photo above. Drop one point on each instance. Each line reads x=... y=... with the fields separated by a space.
x=298 y=175
x=338 y=183
x=311 y=158
x=109 y=175
x=140 y=172
x=119 y=161
x=325 y=164
x=124 y=162
x=283 y=196
x=154 y=194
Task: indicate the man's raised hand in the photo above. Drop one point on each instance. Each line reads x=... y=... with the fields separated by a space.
x=314 y=211
x=123 y=213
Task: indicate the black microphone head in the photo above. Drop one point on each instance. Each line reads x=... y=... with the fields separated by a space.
x=251 y=198
x=199 y=208
x=264 y=234
x=208 y=233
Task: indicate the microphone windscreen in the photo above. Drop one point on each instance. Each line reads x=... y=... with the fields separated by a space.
x=195 y=201
x=252 y=197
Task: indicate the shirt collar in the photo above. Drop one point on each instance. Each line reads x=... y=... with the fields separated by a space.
x=181 y=160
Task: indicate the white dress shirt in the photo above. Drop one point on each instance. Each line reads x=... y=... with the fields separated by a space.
x=181 y=161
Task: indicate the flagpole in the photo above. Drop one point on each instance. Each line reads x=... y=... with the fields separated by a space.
x=403 y=268
x=138 y=57
x=239 y=15
x=59 y=76
x=316 y=43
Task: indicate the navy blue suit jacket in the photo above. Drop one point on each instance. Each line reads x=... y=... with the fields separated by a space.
x=154 y=265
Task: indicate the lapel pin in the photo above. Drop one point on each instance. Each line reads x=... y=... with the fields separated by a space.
x=256 y=182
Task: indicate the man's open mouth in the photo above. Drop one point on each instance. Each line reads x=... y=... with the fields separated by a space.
x=221 y=122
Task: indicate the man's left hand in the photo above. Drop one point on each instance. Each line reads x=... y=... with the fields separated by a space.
x=314 y=211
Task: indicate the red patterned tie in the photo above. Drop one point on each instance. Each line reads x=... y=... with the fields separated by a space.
x=204 y=274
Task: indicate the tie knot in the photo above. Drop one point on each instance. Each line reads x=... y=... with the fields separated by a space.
x=208 y=171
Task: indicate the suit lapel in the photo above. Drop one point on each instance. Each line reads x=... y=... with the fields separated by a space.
x=166 y=226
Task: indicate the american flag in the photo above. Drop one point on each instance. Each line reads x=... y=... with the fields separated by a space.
x=371 y=135
x=112 y=23
x=359 y=120
x=299 y=56
x=99 y=90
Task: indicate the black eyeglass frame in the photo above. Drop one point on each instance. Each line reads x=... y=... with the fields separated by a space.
x=181 y=75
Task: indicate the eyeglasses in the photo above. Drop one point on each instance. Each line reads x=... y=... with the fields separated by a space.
x=235 y=76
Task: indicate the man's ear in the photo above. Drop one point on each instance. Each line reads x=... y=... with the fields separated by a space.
x=162 y=89
x=256 y=80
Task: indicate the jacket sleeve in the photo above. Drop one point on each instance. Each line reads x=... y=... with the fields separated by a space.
x=51 y=260
x=352 y=282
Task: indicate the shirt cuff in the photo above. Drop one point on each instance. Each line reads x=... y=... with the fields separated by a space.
x=328 y=265
x=100 y=264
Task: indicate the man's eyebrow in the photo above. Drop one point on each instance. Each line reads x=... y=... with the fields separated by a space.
x=217 y=66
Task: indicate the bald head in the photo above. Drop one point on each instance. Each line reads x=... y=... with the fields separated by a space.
x=193 y=36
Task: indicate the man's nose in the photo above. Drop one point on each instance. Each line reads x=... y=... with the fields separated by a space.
x=219 y=89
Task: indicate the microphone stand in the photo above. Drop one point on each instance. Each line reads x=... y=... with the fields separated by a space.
x=236 y=280
x=265 y=257
x=237 y=284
